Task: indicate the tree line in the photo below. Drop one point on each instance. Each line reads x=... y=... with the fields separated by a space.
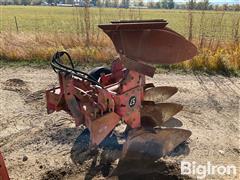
x=161 y=4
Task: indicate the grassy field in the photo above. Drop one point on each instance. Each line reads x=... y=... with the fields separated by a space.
x=66 y=19
x=35 y=33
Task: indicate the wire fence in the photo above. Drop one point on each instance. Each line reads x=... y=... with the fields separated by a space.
x=221 y=25
x=29 y=33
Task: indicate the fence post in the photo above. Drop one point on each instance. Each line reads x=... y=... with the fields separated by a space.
x=16 y=22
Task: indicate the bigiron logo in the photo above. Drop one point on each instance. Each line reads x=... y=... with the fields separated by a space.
x=201 y=171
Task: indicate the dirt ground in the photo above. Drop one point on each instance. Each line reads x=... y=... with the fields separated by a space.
x=41 y=146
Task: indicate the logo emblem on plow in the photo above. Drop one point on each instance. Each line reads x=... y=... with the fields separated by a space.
x=132 y=101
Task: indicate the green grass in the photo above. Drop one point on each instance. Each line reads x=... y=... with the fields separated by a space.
x=46 y=64
x=44 y=30
x=66 y=19
x=33 y=64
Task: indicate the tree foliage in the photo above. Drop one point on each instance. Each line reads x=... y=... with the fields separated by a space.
x=167 y=4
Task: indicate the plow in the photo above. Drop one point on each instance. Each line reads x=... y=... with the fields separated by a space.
x=108 y=96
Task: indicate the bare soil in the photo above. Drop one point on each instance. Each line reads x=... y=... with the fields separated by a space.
x=41 y=146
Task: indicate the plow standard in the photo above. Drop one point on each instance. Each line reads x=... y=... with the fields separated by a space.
x=106 y=97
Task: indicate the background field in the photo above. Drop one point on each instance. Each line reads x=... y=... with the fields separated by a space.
x=35 y=33
x=66 y=19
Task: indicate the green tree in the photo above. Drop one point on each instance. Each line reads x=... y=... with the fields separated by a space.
x=50 y=1
x=17 y=2
x=140 y=3
x=236 y=7
x=151 y=4
x=69 y=1
x=115 y=3
x=99 y=3
x=202 y=5
x=170 y=4
x=206 y=4
x=158 y=4
x=191 y=4
x=225 y=7
x=164 y=4
x=36 y=2
x=167 y=4
x=107 y=3
x=26 y=2
x=94 y=2
x=125 y=3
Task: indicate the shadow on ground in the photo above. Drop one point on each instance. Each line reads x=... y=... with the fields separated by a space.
x=103 y=160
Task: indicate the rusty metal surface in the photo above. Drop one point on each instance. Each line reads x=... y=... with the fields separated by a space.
x=153 y=144
x=123 y=94
x=159 y=94
x=138 y=66
x=174 y=32
x=102 y=126
x=156 y=114
x=160 y=45
x=71 y=101
x=134 y=24
x=3 y=170
x=156 y=46
x=143 y=147
x=148 y=85
x=140 y=21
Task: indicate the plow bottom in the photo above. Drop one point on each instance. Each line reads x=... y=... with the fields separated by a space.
x=144 y=147
x=159 y=94
x=156 y=114
x=153 y=144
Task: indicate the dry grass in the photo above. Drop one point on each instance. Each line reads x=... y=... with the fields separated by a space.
x=217 y=34
x=41 y=46
x=224 y=60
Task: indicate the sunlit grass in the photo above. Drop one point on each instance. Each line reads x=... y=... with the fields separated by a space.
x=224 y=60
x=64 y=19
x=44 y=30
x=41 y=46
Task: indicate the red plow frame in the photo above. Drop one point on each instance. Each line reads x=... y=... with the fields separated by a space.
x=100 y=100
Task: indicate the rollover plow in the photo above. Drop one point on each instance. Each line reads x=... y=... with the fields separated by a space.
x=105 y=97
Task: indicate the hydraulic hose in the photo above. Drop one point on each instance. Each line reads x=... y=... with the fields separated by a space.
x=59 y=67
